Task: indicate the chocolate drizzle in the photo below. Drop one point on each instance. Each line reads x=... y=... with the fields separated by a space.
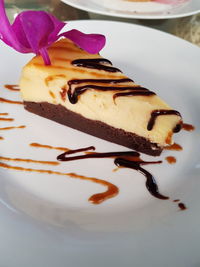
x=151 y=184
x=95 y=63
x=132 y=90
x=160 y=112
x=63 y=157
x=140 y=92
x=73 y=97
x=127 y=159
x=101 y=64
x=182 y=206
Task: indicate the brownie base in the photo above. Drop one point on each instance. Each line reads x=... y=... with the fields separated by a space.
x=99 y=129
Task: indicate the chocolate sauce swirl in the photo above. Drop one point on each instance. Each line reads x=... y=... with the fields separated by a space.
x=135 y=93
x=112 y=81
x=73 y=96
x=99 y=63
x=63 y=157
x=160 y=112
x=95 y=63
x=127 y=159
x=151 y=184
x=102 y=64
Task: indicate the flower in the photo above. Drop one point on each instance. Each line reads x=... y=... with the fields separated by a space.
x=35 y=31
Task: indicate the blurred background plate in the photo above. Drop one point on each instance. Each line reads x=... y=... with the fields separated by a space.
x=126 y=9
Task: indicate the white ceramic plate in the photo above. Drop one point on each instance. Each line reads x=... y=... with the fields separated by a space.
x=46 y=220
x=120 y=8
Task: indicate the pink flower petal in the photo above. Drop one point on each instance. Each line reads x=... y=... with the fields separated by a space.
x=92 y=43
x=45 y=56
x=35 y=31
x=6 y=32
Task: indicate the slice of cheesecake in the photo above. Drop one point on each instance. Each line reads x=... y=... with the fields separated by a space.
x=87 y=93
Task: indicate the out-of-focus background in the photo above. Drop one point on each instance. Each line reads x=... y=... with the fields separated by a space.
x=187 y=28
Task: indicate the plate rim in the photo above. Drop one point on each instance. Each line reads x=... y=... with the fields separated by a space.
x=53 y=237
x=128 y=16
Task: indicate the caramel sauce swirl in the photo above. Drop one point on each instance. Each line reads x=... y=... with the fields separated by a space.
x=8 y=101
x=49 y=147
x=6 y=119
x=171 y=159
x=175 y=147
x=188 y=127
x=12 y=127
x=127 y=159
x=111 y=191
x=12 y=87
x=55 y=163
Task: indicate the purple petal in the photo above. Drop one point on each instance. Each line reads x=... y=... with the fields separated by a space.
x=92 y=43
x=45 y=56
x=58 y=25
x=36 y=29
x=7 y=34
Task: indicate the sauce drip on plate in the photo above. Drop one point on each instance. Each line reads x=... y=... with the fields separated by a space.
x=127 y=159
x=12 y=87
x=111 y=191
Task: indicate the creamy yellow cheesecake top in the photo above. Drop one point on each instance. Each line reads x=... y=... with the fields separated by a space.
x=70 y=75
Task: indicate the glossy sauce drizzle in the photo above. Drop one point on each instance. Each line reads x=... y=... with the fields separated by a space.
x=99 y=64
x=55 y=163
x=73 y=96
x=160 y=112
x=102 y=64
x=139 y=91
x=4 y=114
x=12 y=87
x=171 y=159
x=4 y=100
x=175 y=147
x=111 y=191
x=12 y=127
x=6 y=119
x=176 y=200
x=49 y=147
x=95 y=63
x=127 y=159
x=188 y=127
x=182 y=206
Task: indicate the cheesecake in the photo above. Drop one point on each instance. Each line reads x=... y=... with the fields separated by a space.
x=86 y=92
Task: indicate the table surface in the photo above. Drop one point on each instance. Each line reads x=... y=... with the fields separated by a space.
x=187 y=28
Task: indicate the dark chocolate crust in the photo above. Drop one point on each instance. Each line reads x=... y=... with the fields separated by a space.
x=99 y=129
